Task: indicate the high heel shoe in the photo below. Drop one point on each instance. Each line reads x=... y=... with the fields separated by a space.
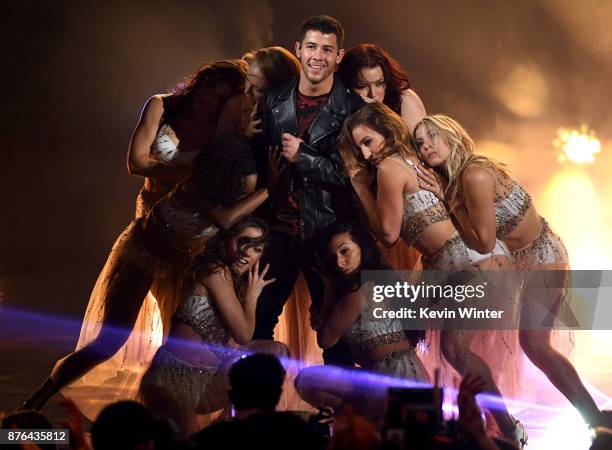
x=520 y=435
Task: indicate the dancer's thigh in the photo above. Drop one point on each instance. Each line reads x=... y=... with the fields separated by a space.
x=542 y=295
x=215 y=394
x=316 y=378
x=127 y=287
x=455 y=344
x=275 y=348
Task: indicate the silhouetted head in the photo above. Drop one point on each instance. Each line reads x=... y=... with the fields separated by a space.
x=256 y=382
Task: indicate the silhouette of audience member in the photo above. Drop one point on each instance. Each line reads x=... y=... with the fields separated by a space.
x=124 y=425
x=26 y=420
x=603 y=439
x=256 y=384
x=255 y=388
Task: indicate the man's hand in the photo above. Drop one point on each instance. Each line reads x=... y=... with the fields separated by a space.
x=291 y=147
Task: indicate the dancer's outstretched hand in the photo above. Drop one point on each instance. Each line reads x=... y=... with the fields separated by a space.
x=257 y=281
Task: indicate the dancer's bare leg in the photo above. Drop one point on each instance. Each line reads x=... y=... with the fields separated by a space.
x=456 y=343
x=537 y=305
x=317 y=389
x=456 y=349
x=126 y=292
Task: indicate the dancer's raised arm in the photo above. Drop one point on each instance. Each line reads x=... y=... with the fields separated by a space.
x=238 y=316
x=341 y=317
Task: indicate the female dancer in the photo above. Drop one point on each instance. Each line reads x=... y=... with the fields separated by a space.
x=374 y=74
x=380 y=347
x=266 y=68
x=219 y=193
x=400 y=208
x=188 y=374
x=488 y=204
x=174 y=127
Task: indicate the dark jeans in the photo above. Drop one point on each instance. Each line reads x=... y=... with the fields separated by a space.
x=287 y=256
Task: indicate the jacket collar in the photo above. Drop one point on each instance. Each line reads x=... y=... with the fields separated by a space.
x=328 y=120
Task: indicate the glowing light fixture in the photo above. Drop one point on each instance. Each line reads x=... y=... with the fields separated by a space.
x=577 y=146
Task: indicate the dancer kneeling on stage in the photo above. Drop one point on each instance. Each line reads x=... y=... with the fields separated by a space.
x=381 y=347
x=188 y=375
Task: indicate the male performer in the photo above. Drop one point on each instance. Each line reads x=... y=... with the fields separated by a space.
x=304 y=118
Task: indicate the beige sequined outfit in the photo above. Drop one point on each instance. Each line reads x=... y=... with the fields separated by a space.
x=192 y=388
x=547 y=249
x=423 y=209
x=364 y=337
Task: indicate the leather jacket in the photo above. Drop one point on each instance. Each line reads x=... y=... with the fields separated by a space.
x=322 y=186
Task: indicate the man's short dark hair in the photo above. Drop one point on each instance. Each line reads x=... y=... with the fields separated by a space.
x=256 y=381
x=324 y=24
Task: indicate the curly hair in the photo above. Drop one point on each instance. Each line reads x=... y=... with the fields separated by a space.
x=205 y=83
x=372 y=55
x=462 y=154
x=219 y=171
x=216 y=256
x=384 y=121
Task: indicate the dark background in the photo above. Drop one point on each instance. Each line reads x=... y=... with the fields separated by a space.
x=76 y=74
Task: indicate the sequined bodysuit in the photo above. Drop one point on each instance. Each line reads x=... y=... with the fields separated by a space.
x=198 y=313
x=363 y=337
x=423 y=209
x=164 y=151
x=547 y=249
x=192 y=388
x=511 y=208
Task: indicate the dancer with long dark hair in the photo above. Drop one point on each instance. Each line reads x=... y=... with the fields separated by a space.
x=188 y=375
x=378 y=77
x=382 y=347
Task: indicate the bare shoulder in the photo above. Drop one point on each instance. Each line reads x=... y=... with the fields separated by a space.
x=392 y=165
x=478 y=175
x=154 y=107
x=218 y=277
x=394 y=170
x=411 y=97
x=353 y=299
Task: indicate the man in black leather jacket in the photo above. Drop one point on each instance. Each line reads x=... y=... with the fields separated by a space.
x=304 y=118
